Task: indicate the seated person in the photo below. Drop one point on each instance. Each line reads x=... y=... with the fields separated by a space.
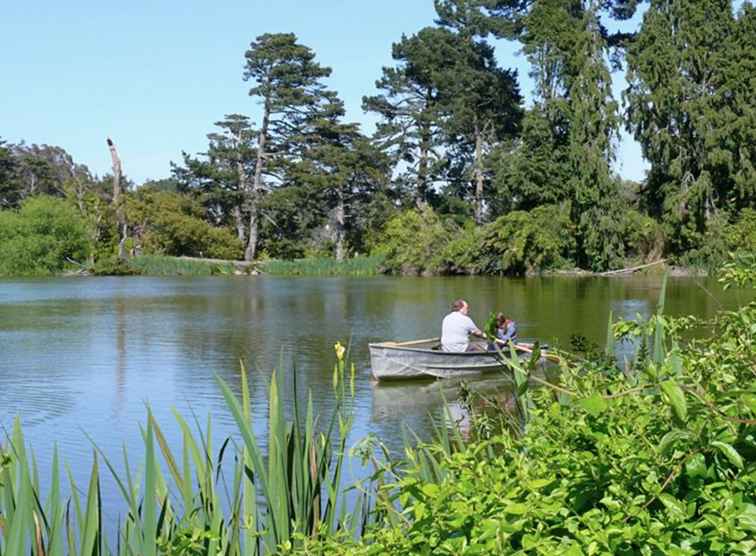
x=506 y=331
x=457 y=327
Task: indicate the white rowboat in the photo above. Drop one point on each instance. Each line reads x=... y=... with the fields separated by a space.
x=418 y=359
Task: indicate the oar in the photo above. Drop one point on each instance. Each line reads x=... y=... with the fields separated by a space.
x=526 y=349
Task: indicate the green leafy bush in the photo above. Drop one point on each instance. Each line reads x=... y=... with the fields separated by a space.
x=724 y=235
x=643 y=237
x=42 y=238
x=171 y=224
x=521 y=242
x=662 y=461
x=412 y=242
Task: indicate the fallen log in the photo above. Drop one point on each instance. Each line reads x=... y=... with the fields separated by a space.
x=631 y=269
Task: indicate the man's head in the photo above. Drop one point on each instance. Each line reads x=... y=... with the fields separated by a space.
x=461 y=306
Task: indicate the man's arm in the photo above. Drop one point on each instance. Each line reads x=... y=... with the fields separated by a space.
x=474 y=330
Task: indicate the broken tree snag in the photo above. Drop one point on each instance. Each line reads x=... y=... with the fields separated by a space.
x=118 y=204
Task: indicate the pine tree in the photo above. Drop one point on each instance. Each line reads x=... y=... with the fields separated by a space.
x=288 y=83
x=409 y=130
x=567 y=47
x=691 y=106
x=480 y=101
x=343 y=168
x=223 y=174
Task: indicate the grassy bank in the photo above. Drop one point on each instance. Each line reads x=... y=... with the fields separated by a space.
x=357 y=266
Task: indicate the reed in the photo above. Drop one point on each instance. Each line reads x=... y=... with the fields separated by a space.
x=290 y=494
x=357 y=267
x=160 y=265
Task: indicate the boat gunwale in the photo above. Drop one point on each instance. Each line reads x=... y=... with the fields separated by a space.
x=387 y=345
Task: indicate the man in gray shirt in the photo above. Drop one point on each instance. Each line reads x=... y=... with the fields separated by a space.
x=457 y=327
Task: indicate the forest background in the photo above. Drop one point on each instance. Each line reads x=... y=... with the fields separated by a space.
x=460 y=176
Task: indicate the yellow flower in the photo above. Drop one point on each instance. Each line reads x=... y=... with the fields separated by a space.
x=339 y=350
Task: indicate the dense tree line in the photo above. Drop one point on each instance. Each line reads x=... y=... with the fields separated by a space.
x=460 y=175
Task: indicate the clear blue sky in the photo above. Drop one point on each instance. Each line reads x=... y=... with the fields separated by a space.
x=156 y=75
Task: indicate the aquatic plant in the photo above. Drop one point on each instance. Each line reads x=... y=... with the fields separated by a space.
x=356 y=266
x=182 y=505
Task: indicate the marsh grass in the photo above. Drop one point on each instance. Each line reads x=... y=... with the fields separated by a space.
x=357 y=267
x=181 y=503
x=159 y=265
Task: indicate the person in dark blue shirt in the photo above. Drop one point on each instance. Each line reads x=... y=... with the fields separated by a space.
x=506 y=331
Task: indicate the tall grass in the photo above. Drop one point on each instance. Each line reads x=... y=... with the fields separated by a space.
x=159 y=265
x=294 y=491
x=357 y=266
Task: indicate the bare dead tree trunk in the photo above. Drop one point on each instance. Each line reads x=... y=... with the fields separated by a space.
x=253 y=193
x=241 y=230
x=118 y=200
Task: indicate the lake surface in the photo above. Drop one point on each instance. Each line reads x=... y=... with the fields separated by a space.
x=88 y=354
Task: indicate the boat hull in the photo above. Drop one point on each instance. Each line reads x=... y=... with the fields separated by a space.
x=395 y=362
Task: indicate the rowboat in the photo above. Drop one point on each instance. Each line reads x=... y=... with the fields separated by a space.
x=423 y=358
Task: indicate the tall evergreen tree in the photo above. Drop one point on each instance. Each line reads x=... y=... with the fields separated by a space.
x=408 y=105
x=9 y=189
x=288 y=83
x=567 y=47
x=343 y=168
x=224 y=173
x=691 y=106
x=480 y=101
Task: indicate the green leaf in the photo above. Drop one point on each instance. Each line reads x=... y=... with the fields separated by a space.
x=670 y=439
x=695 y=467
x=594 y=404
x=673 y=395
x=730 y=453
x=516 y=509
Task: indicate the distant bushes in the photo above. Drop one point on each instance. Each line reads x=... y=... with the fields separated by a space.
x=412 y=242
x=522 y=242
x=519 y=242
x=168 y=223
x=724 y=236
x=43 y=237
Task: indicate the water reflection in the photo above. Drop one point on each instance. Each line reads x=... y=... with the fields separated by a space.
x=91 y=353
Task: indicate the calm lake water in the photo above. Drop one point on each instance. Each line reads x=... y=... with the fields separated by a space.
x=88 y=354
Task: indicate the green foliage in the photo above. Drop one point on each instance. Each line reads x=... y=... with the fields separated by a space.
x=43 y=237
x=522 y=242
x=642 y=236
x=722 y=238
x=191 y=502
x=691 y=108
x=171 y=224
x=112 y=265
x=659 y=461
x=740 y=271
x=412 y=242
x=356 y=266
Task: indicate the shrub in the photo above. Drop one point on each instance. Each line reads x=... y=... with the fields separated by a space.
x=522 y=242
x=643 y=236
x=600 y=236
x=412 y=242
x=42 y=238
x=461 y=255
x=724 y=235
x=171 y=224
